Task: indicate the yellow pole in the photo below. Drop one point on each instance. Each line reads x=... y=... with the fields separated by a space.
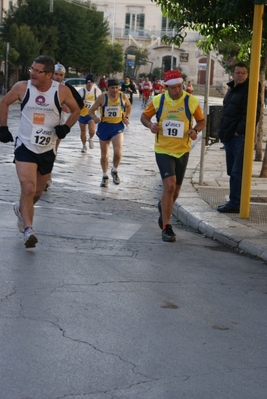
x=251 y=110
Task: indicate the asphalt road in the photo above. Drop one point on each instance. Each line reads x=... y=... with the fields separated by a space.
x=102 y=308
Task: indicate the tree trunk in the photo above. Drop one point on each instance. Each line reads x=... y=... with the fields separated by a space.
x=259 y=130
x=264 y=164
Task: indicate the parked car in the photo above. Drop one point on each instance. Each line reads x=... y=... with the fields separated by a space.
x=77 y=83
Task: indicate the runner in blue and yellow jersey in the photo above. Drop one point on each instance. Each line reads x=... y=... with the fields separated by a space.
x=115 y=109
x=175 y=110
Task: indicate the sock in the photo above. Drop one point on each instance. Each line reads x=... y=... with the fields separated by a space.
x=105 y=174
x=114 y=169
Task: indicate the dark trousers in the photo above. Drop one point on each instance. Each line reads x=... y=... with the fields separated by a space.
x=234 y=150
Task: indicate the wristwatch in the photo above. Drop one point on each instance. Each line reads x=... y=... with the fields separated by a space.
x=195 y=130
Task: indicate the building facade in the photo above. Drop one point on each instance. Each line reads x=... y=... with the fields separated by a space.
x=140 y=24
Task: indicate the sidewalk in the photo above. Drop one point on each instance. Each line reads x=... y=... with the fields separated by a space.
x=196 y=205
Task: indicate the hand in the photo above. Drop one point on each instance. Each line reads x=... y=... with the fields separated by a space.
x=192 y=134
x=62 y=131
x=5 y=135
x=154 y=127
x=126 y=120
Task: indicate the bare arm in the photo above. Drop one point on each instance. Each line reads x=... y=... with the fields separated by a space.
x=154 y=127
x=67 y=98
x=128 y=108
x=17 y=92
x=98 y=102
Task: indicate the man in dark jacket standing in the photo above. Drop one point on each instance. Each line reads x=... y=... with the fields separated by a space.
x=232 y=133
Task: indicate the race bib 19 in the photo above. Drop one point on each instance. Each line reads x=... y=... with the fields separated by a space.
x=173 y=128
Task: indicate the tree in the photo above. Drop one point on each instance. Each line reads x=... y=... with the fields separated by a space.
x=74 y=34
x=141 y=58
x=212 y=18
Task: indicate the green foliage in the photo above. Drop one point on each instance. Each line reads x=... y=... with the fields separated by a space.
x=157 y=73
x=141 y=58
x=74 y=34
x=209 y=17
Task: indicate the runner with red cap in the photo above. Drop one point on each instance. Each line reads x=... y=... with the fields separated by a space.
x=174 y=130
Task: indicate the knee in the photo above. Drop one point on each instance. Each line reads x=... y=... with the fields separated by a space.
x=104 y=158
x=170 y=187
x=28 y=188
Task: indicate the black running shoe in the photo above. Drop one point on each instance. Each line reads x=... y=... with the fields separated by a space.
x=168 y=235
x=115 y=177
x=160 y=223
x=104 y=182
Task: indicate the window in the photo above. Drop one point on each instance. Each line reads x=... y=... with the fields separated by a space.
x=134 y=24
x=166 y=26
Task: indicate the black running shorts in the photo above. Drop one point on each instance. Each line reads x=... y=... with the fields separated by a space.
x=172 y=166
x=44 y=161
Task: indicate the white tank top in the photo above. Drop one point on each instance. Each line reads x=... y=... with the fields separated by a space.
x=39 y=116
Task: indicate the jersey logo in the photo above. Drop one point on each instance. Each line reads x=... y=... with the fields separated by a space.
x=40 y=100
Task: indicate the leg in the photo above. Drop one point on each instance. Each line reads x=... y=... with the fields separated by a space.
x=104 y=147
x=236 y=171
x=91 y=127
x=27 y=175
x=40 y=185
x=83 y=135
x=117 y=142
x=169 y=195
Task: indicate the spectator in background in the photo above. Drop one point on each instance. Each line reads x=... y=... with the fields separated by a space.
x=189 y=87
x=232 y=131
x=103 y=84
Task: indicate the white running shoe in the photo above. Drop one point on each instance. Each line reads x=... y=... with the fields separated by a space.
x=91 y=144
x=84 y=149
x=30 y=238
x=104 y=182
x=20 y=222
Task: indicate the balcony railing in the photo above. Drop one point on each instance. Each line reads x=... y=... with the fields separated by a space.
x=140 y=33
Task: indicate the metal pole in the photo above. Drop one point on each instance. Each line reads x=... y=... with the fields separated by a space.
x=51 y=6
x=172 y=51
x=252 y=106
x=6 y=67
x=113 y=22
x=204 y=131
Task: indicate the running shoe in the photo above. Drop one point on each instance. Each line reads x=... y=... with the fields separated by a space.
x=91 y=144
x=84 y=149
x=104 y=182
x=115 y=177
x=30 y=238
x=168 y=235
x=160 y=222
x=20 y=222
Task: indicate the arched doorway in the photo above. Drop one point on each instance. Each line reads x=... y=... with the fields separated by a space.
x=167 y=62
x=202 y=67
